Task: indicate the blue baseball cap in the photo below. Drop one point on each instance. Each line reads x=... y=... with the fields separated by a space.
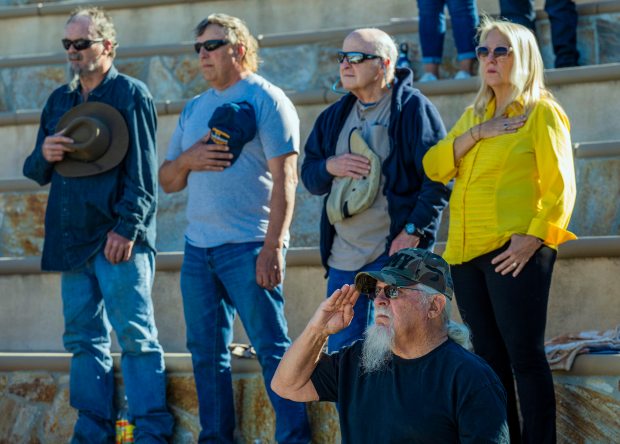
x=233 y=124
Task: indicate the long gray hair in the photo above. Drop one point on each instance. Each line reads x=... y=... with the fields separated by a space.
x=458 y=332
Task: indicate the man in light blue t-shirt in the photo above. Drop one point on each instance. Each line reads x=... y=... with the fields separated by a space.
x=239 y=211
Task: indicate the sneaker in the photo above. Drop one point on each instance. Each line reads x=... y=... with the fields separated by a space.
x=462 y=75
x=428 y=77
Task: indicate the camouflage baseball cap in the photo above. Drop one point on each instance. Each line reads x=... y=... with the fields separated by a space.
x=408 y=267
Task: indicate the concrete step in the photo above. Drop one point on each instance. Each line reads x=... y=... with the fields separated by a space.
x=31 y=316
x=23 y=202
x=589 y=95
x=27 y=25
x=294 y=61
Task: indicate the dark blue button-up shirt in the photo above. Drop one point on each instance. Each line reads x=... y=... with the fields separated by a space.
x=82 y=210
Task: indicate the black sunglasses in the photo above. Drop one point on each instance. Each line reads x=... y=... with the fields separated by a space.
x=210 y=45
x=390 y=291
x=79 y=44
x=354 y=57
x=482 y=52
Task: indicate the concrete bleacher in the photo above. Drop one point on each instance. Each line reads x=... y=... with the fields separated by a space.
x=298 y=44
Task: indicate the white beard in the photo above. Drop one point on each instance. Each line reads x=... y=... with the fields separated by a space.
x=377 y=346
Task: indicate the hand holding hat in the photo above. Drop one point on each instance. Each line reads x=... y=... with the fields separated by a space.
x=350 y=195
x=96 y=137
x=233 y=124
x=55 y=147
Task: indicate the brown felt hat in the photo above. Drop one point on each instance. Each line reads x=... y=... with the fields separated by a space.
x=100 y=136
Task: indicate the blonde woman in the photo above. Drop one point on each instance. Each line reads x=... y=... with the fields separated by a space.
x=514 y=191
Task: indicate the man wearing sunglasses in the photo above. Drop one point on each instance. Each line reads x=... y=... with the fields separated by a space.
x=239 y=211
x=399 y=125
x=410 y=379
x=100 y=234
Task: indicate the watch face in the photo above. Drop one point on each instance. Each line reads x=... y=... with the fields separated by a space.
x=410 y=228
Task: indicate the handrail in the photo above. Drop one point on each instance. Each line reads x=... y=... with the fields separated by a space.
x=584 y=365
x=320 y=96
x=585 y=247
x=60 y=362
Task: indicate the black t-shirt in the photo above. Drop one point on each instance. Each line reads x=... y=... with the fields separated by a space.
x=446 y=396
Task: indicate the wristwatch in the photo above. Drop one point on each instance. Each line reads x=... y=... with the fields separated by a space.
x=412 y=230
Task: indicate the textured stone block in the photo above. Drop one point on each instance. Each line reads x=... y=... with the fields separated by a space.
x=21 y=223
x=608 y=29
x=33 y=387
x=58 y=421
x=182 y=393
x=588 y=409
x=18 y=421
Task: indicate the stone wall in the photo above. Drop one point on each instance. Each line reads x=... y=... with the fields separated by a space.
x=293 y=68
x=34 y=409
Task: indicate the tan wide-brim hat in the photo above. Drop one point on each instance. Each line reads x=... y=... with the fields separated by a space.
x=101 y=139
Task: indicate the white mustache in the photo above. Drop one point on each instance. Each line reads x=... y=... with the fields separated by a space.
x=383 y=311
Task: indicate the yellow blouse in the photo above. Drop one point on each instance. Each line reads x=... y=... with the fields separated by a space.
x=522 y=182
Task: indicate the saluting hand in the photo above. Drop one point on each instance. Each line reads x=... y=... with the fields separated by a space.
x=336 y=312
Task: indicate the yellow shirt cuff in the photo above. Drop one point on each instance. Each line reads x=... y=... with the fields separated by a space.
x=550 y=233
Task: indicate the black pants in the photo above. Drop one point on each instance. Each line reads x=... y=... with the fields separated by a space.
x=507 y=317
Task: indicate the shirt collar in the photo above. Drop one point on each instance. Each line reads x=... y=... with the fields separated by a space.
x=516 y=108
x=103 y=87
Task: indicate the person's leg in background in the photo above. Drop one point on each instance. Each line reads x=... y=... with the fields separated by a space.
x=464 y=17
x=519 y=11
x=476 y=309
x=363 y=311
x=563 y=23
x=432 y=30
x=262 y=314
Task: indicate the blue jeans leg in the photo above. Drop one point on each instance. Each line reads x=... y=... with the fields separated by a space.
x=95 y=299
x=87 y=338
x=432 y=29
x=216 y=282
x=209 y=316
x=363 y=310
x=464 y=16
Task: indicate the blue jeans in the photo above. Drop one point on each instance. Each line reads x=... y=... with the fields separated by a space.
x=96 y=298
x=562 y=20
x=432 y=28
x=216 y=283
x=363 y=311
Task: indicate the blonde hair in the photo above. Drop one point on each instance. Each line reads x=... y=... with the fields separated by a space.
x=237 y=33
x=527 y=76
